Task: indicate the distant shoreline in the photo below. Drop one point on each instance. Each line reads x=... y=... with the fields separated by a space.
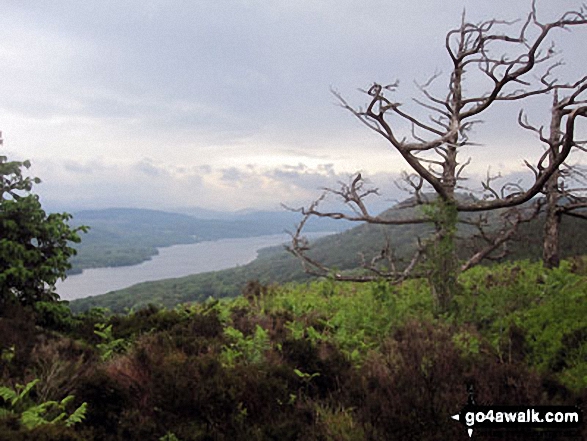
x=171 y=262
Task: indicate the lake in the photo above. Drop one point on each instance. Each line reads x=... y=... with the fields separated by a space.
x=171 y=262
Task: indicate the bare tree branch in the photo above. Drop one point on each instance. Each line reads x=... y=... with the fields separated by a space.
x=513 y=219
x=516 y=61
x=300 y=247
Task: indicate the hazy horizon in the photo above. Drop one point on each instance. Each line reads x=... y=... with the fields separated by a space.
x=228 y=105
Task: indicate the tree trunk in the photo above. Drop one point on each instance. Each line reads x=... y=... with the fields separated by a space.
x=442 y=256
x=550 y=243
x=550 y=240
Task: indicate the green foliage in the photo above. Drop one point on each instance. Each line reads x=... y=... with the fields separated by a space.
x=306 y=377
x=38 y=415
x=55 y=315
x=109 y=346
x=556 y=329
x=339 y=424
x=34 y=415
x=277 y=266
x=126 y=236
x=34 y=247
x=169 y=436
x=13 y=182
x=468 y=343
x=248 y=350
x=7 y=355
x=96 y=314
x=16 y=396
x=355 y=317
x=539 y=313
x=441 y=257
x=316 y=361
x=221 y=308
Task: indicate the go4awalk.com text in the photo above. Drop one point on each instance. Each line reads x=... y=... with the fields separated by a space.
x=475 y=417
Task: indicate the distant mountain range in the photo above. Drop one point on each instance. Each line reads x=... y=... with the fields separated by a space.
x=340 y=251
x=128 y=236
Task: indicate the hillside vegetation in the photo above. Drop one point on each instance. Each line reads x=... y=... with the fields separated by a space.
x=341 y=251
x=125 y=236
x=318 y=361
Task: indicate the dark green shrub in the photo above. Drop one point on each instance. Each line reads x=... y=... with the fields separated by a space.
x=55 y=316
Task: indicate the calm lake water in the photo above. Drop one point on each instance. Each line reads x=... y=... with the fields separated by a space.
x=171 y=262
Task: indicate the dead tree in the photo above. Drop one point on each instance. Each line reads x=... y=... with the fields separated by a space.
x=561 y=198
x=381 y=266
x=515 y=61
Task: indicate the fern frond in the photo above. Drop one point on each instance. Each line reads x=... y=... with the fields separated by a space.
x=77 y=416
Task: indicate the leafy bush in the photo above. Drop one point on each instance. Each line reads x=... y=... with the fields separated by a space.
x=243 y=349
x=32 y=415
x=109 y=345
x=531 y=313
x=56 y=316
x=317 y=361
x=34 y=247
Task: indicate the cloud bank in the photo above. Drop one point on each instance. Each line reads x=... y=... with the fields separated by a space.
x=227 y=104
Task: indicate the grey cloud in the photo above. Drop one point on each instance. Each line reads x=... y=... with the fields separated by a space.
x=208 y=72
x=141 y=184
x=298 y=177
x=233 y=175
x=274 y=62
x=147 y=167
x=305 y=177
x=205 y=169
x=82 y=168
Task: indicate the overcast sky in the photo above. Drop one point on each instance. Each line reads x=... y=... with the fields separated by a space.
x=226 y=104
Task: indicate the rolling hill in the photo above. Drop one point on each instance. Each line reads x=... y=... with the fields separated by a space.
x=127 y=236
x=275 y=265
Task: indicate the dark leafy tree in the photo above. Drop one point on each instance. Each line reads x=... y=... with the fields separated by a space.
x=35 y=247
